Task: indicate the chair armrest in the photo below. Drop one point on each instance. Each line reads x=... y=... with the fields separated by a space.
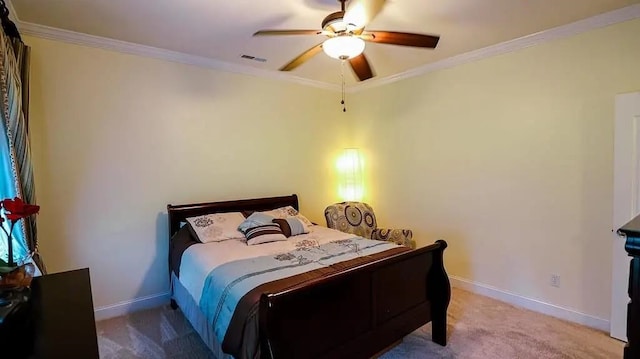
x=399 y=236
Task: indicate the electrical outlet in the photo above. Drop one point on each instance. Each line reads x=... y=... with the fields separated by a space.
x=555 y=280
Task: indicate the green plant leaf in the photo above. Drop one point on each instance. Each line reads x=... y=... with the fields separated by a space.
x=5 y=270
x=4 y=267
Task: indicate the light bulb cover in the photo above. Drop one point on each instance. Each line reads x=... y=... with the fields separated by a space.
x=350 y=167
x=343 y=47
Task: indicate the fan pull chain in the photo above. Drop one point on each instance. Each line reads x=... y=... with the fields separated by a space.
x=344 y=107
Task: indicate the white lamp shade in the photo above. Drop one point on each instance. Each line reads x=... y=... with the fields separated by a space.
x=350 y=167
x=343 y=47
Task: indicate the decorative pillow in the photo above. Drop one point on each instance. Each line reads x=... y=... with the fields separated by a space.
x=217 y=227
x=291 y=226
x=288 y=211
x=254 y=220
x=264 y=234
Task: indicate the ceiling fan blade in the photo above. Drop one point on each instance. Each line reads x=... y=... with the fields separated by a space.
x=401 y=38
x=302 y=58
x=361 y=12
x=360 y=65
x=287 y=32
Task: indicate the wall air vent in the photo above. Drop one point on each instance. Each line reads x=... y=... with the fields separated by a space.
x=249 y=57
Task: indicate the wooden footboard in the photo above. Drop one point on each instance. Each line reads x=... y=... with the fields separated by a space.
x=359 y=312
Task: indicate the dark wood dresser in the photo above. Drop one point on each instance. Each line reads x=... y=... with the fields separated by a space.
x=632 y=245
x=58 y=321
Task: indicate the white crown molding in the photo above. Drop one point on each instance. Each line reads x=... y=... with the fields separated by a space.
x=531 y=304
x=575 y=28
x=613 y=17
x=72 y=37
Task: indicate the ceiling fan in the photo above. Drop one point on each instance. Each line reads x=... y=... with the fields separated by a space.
x=346 y=34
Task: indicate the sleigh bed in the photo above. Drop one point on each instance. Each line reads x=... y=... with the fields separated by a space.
x=352 y=309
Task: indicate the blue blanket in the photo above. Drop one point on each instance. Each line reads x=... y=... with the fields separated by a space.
x=228 y=283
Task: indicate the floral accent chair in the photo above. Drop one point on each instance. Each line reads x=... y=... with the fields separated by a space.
x=358 y=218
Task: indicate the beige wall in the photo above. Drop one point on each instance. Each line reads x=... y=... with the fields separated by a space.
x=116 y=137
x=510 y=159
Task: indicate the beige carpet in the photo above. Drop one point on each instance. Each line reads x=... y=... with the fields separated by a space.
x=479 y=327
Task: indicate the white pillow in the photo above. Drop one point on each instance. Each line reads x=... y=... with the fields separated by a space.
x=217 y=227
x=288 y=211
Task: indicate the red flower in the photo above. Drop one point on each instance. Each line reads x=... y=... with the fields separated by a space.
x=16 y=209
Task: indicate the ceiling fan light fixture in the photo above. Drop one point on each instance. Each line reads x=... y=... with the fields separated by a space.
x=343 y=47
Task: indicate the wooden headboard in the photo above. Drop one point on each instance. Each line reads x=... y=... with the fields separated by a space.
x=179 y=213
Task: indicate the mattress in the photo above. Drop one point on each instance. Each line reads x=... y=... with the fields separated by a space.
x=200 y=259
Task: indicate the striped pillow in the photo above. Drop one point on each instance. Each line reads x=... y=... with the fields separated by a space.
x=291 y=226
x=264 y=234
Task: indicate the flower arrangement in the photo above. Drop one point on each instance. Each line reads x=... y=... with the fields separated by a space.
x=13 y=210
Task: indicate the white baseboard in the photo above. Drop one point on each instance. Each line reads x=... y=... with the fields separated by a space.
x=130 y=306
x=156 y=300
x=531 y=304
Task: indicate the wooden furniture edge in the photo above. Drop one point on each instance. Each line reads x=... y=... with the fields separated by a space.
x=179 y=213
x=631 y=231
x=438 y=298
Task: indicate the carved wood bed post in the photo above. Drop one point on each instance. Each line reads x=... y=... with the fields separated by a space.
x=172 y=225
x=632 y=245
x=632 y=349
x=439 y=298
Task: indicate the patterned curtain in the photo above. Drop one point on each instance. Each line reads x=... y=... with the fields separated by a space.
x=16 y=171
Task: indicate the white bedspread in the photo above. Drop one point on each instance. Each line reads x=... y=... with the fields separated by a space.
x=200 y=259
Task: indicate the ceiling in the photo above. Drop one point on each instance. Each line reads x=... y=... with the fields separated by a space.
x=222 y=30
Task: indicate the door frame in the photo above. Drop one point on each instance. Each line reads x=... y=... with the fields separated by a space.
x=626 y=202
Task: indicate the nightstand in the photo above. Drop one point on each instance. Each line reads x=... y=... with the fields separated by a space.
x=58 y=321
